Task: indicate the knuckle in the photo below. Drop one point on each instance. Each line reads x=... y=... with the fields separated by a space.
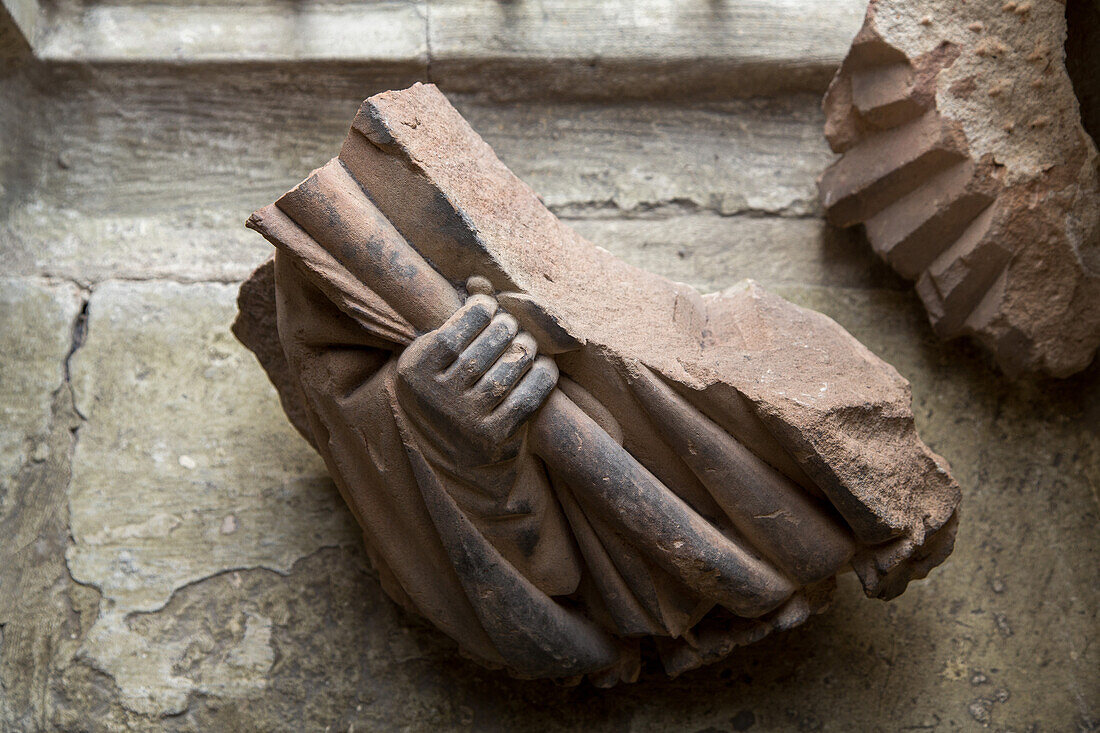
x=526 y=343
x=404 y=373
x=464 y=365
x=422 y=343
x=485 y=429
x=546 y=365
x=527 y=340
x=482 y=305
x=409 y=373
x=409 y=358
x=516 y=354
x=507 y=322
x=443 y=354
x=408 y=376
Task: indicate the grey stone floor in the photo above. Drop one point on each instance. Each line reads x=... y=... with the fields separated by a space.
x=172 y=556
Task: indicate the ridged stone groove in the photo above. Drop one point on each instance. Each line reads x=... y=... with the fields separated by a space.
x=964 y=159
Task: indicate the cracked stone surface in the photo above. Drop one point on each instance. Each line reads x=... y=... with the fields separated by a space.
x=160 y=498
x=40 y=612
x=38 y=316
x=120 y=173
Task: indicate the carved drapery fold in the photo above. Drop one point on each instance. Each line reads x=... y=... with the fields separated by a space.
x=689 y=480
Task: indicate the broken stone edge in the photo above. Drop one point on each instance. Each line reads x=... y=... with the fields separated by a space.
x=976 y=242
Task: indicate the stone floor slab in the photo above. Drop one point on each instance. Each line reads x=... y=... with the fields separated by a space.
x=37 y=318
x=185 y=469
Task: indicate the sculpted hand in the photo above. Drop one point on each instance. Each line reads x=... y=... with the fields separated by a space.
x=475 y=381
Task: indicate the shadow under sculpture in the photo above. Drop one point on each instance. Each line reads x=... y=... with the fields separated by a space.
x=554 y=455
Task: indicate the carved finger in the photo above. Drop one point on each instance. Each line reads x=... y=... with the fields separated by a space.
x=444 y=344
x=527 y=396
x=483 y=352
x=505 y=372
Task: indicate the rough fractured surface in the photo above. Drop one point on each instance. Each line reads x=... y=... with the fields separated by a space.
x=965 y=160
x=761 y=447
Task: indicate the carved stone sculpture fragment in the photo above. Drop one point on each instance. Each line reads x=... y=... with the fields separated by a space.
x=965 y=160
x=555 y=456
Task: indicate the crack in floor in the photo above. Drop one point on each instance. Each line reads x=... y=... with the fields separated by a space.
x=79 y=335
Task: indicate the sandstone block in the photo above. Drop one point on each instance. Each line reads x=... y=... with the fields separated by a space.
x=965 y=160
x=705 y=468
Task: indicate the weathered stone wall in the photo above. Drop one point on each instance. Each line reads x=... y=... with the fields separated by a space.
x=174 y=557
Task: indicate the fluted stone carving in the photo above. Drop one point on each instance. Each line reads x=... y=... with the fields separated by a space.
x=555 y=455
x=965 y=160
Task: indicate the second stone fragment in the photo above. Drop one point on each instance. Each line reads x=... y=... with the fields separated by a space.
x=965 y=160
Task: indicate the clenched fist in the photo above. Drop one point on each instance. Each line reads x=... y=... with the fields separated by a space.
x=476 y=379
